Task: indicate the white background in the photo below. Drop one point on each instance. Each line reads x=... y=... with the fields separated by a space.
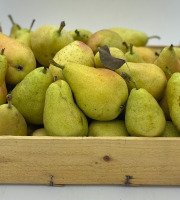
x=154 y=17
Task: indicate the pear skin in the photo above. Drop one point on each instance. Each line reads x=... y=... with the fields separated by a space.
x=100 y=93
x=147 y=76
x=105 y=37
x=3 y=66
x=20 y=59
x=173 y=98
x=115 y=52
x=3 y=93
x=143 y=116
x=77 y=52
x=11 y=121
x=29 y=94
x=47 y=40
x=40 y=132
x=170 y=130
x=107 y=128
x=147 y=54
x=62 y=117
x=168 y=58
x=81 y=34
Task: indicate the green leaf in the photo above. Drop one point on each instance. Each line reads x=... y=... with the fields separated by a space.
x=109 y=61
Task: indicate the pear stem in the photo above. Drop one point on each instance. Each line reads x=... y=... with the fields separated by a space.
x=2 y=51
x=125 y=44
x=56 y=64
x=62 y=25
x=156 y=53
x=131 y=49
x=169 y=71
x=12 y=21
x=171 y=47
x=128 y=78
x=31 y=25
x=9 y=100
x=55 y=78
x=77 y=32
x=154 y=36
x=0 y=28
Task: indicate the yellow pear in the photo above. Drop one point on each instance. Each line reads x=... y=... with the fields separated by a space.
x=81 y=34
x=143 y=115
x=100 y=93
x=11 y=121
x=40 y=132
x=20 y=59
x=111 y=128
x=147 y=76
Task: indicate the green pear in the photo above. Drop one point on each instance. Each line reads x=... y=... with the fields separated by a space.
x=24 y=35
x=136 y=37
x=15 y=27
x=40 y=132
x=132 y=56
x=164 y=105
x=81 y=34
x=173 y=98
x=168 y=58
x=29 y=94
x=20 y=59
x=61 y=115
x=114 y=127
x=105 y=37
x=11 y=121
x=47 y=40
x=143 y=116
x=170 y=130
x=77 y=52
x=100 y=93
x=115 y=52
x=147 y=76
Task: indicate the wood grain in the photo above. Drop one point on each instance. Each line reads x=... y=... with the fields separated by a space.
x=105 y=160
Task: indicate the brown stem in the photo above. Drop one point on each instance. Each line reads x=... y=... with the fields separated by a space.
x=31 y=25
x=131 y=49
x=56 y=64
x=125 y=44
x=62 y=25
x=128 y=78
x=12 y=21
x=154 y=36
x=2 y=51
x=9 y=100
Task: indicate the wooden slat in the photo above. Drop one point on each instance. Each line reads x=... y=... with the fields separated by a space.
x=33 y=160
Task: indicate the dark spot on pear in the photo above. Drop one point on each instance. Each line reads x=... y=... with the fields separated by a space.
x=19 y=67
x=106 y=158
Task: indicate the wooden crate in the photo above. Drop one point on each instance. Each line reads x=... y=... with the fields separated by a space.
x=87 y=160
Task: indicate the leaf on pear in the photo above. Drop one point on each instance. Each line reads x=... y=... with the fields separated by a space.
x=109 y=61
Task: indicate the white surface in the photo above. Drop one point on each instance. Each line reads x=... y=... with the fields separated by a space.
x=152 y=17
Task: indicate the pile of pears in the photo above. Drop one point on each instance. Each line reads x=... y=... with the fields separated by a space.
x=59 y=82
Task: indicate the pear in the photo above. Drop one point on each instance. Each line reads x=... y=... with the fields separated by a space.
x=61 y=115
x=29 y=94
x=15 y=27
x=173 y=98
x=146 y=53
x=168 y=58
x=3 y=66
x=77 y=52
x=11 y=121
x=115 y=52
x=111 y=128
x=164 y=105
x=20 y=59
x=3 y=69
x=105 y=37
x=40 y=132
x=143 y=116
x=81 y=34
x=3 y=93
x=47 y=40
x=177 y=51
x=100 y=93
x=136 y=37
x=147 y=76
x=170 y=130
x=132 y=56
x=24 y=35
